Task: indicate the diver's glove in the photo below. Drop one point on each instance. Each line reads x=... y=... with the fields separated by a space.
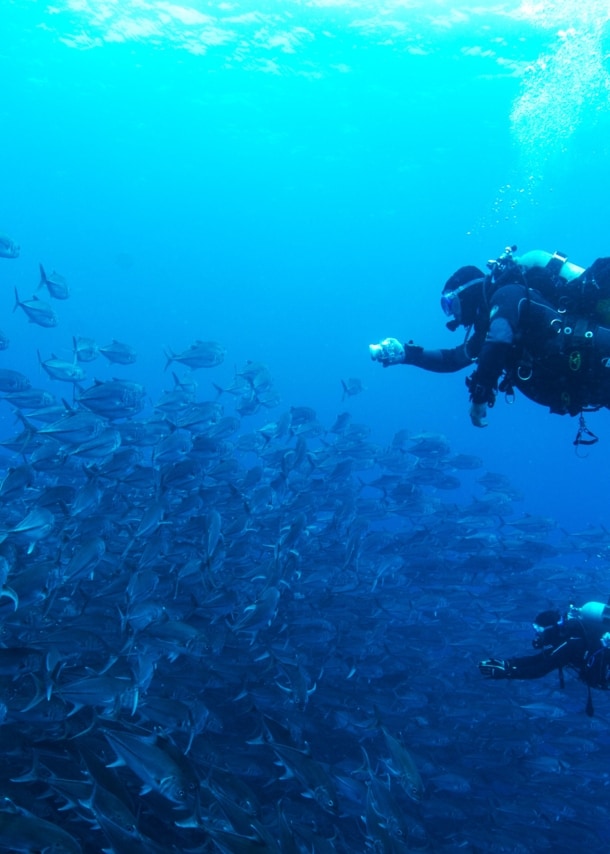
x=494 y=668
x=389 y=352
x=478 y=414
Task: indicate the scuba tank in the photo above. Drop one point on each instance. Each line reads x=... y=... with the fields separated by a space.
x=594 y=618
x=566 y=286
x=556 y=264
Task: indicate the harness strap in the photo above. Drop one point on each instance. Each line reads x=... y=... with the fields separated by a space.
x=584 y=436
x=556 y=263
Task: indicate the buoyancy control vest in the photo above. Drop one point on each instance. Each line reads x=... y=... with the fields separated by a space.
x=559 y=360
x=593 y=619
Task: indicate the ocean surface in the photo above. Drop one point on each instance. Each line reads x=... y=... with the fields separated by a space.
x=293 y=180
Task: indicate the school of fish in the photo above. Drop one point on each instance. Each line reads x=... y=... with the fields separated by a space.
x=224 y=639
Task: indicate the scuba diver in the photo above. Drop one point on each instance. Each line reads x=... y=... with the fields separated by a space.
x=537 y=322
x=579 y=639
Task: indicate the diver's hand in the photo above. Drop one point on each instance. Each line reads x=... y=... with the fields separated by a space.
x=478 y=414
x=493 y=668
x=389 y=352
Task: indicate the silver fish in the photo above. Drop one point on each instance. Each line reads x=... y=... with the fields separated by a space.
x=36 y=311
x=118 y=352
x=58 y=369
x=85 y=349
x=54 y=283
x=8 y=247
x=201 y=354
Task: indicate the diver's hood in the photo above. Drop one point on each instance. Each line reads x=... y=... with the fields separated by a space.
x=468 y=284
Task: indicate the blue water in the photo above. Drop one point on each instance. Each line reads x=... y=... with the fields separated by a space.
x=297 y=180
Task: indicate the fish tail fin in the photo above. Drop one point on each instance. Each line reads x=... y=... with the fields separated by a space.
x=17 y=301
x=169 y=356
x=9 y=593
x=38 y=697
x=27 y=424
x=43 y=277
x=219 y=390
x=123 y=621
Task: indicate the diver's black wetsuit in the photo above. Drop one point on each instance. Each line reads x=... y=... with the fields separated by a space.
x=569 y=646
x=579 y=640
x=553 y=358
